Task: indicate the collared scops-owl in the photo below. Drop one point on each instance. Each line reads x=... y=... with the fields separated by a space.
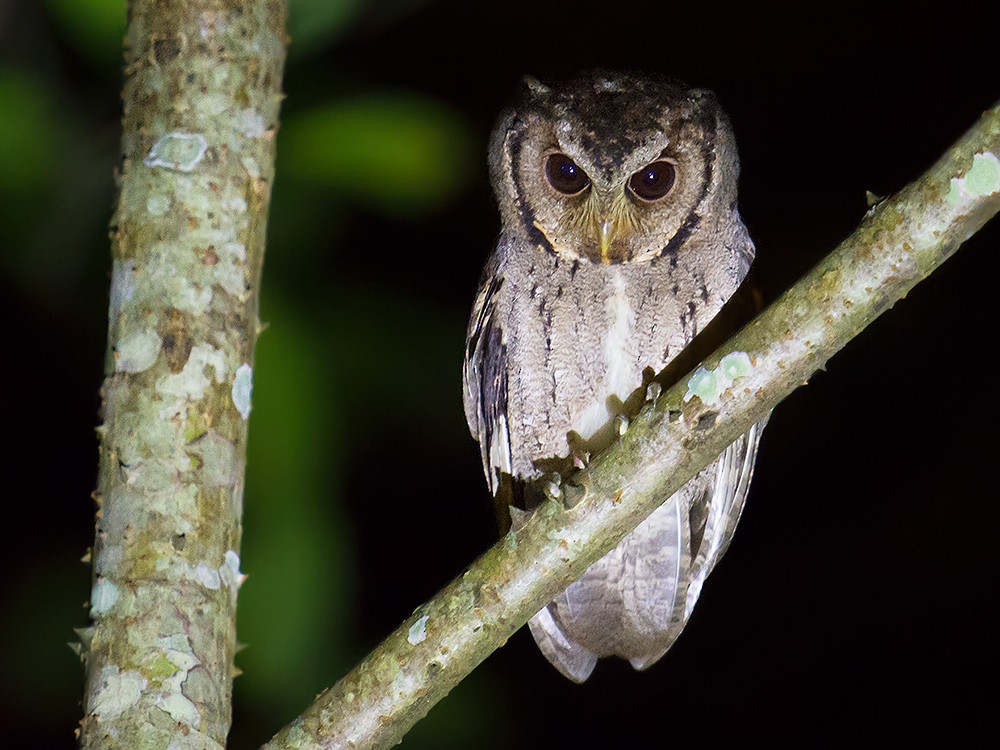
x=620 y=241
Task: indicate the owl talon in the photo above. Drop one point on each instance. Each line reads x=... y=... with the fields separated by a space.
x=581 y=459
x=621 y=425
x=552 y=487
x=653 y=391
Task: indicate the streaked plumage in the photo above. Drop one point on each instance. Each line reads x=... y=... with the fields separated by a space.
x=588 y=292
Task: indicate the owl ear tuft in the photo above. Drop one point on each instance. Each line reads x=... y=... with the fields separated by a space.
x=535 y=87
x=703 y=97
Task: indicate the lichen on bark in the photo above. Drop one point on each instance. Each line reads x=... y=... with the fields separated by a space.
x=201 y=100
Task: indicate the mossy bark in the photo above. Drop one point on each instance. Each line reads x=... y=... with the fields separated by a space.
x=901 y=241
x=201 y=100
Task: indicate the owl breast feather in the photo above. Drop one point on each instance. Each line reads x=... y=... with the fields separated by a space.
x=578 y=338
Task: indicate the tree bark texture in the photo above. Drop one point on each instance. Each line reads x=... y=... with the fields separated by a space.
x=201 y=99
x=900 y=241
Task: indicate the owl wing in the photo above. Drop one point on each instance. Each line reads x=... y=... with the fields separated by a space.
x=484 y=378
x=732 y=481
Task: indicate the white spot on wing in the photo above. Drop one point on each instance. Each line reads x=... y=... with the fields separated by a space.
x=499 y=451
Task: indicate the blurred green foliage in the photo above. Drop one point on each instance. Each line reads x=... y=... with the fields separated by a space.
x=393 y=153
x=295 y=610
x=28 y=134
x=314 y=24
x=396 y=152
x=95 y=27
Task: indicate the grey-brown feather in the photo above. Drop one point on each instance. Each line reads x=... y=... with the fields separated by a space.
x=556 y=342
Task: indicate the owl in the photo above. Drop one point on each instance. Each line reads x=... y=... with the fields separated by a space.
x=620 y=241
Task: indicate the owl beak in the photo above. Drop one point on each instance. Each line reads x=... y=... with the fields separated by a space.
x=605 y=231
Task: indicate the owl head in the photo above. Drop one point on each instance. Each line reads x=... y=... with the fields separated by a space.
x=613 y=167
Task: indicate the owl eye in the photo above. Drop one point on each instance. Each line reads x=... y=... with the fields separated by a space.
x=653 y=181
x=564 y=174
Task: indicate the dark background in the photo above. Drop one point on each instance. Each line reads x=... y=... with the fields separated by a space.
x=858 y=601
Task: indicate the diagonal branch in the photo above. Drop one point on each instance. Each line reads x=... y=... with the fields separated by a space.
x=201 y=96
x=899 y=242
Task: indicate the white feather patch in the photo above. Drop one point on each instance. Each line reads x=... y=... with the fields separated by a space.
x=499 y=452
x=619 y=360
x=620 y=375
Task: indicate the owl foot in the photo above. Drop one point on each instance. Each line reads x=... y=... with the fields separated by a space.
x=552 y=487
x=653 y=391
x=566 y=494
x=621 y=425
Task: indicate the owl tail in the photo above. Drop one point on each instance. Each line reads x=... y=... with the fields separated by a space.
x=572 y=659
x=635 y=601
x=630 y=603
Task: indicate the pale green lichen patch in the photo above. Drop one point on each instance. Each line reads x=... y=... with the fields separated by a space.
x=704 y=385
x=178 y=151
x=177 y=502
x=158 y=205
x=146 y=435
x=210 y=106
x=709 y=385
x=137 y=351
x=243 y=390
x=193 y=380
x=218 y=458
x=229 y=571
x=174 y=283
x=982 y=179
x=116 y=692
x=984 y=176
x=418 y=631
x=251 y=123
x=180 y=708
x=103 y=596
x=153 y=476
x=735 y=365
x=237 y=204
x=159 y=668
x=176 y=649
x=186 y=295
x=206 y=576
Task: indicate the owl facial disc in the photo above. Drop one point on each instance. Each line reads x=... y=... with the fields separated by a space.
x=613 y=171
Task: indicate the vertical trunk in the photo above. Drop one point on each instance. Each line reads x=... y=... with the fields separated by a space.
x=201 y=99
